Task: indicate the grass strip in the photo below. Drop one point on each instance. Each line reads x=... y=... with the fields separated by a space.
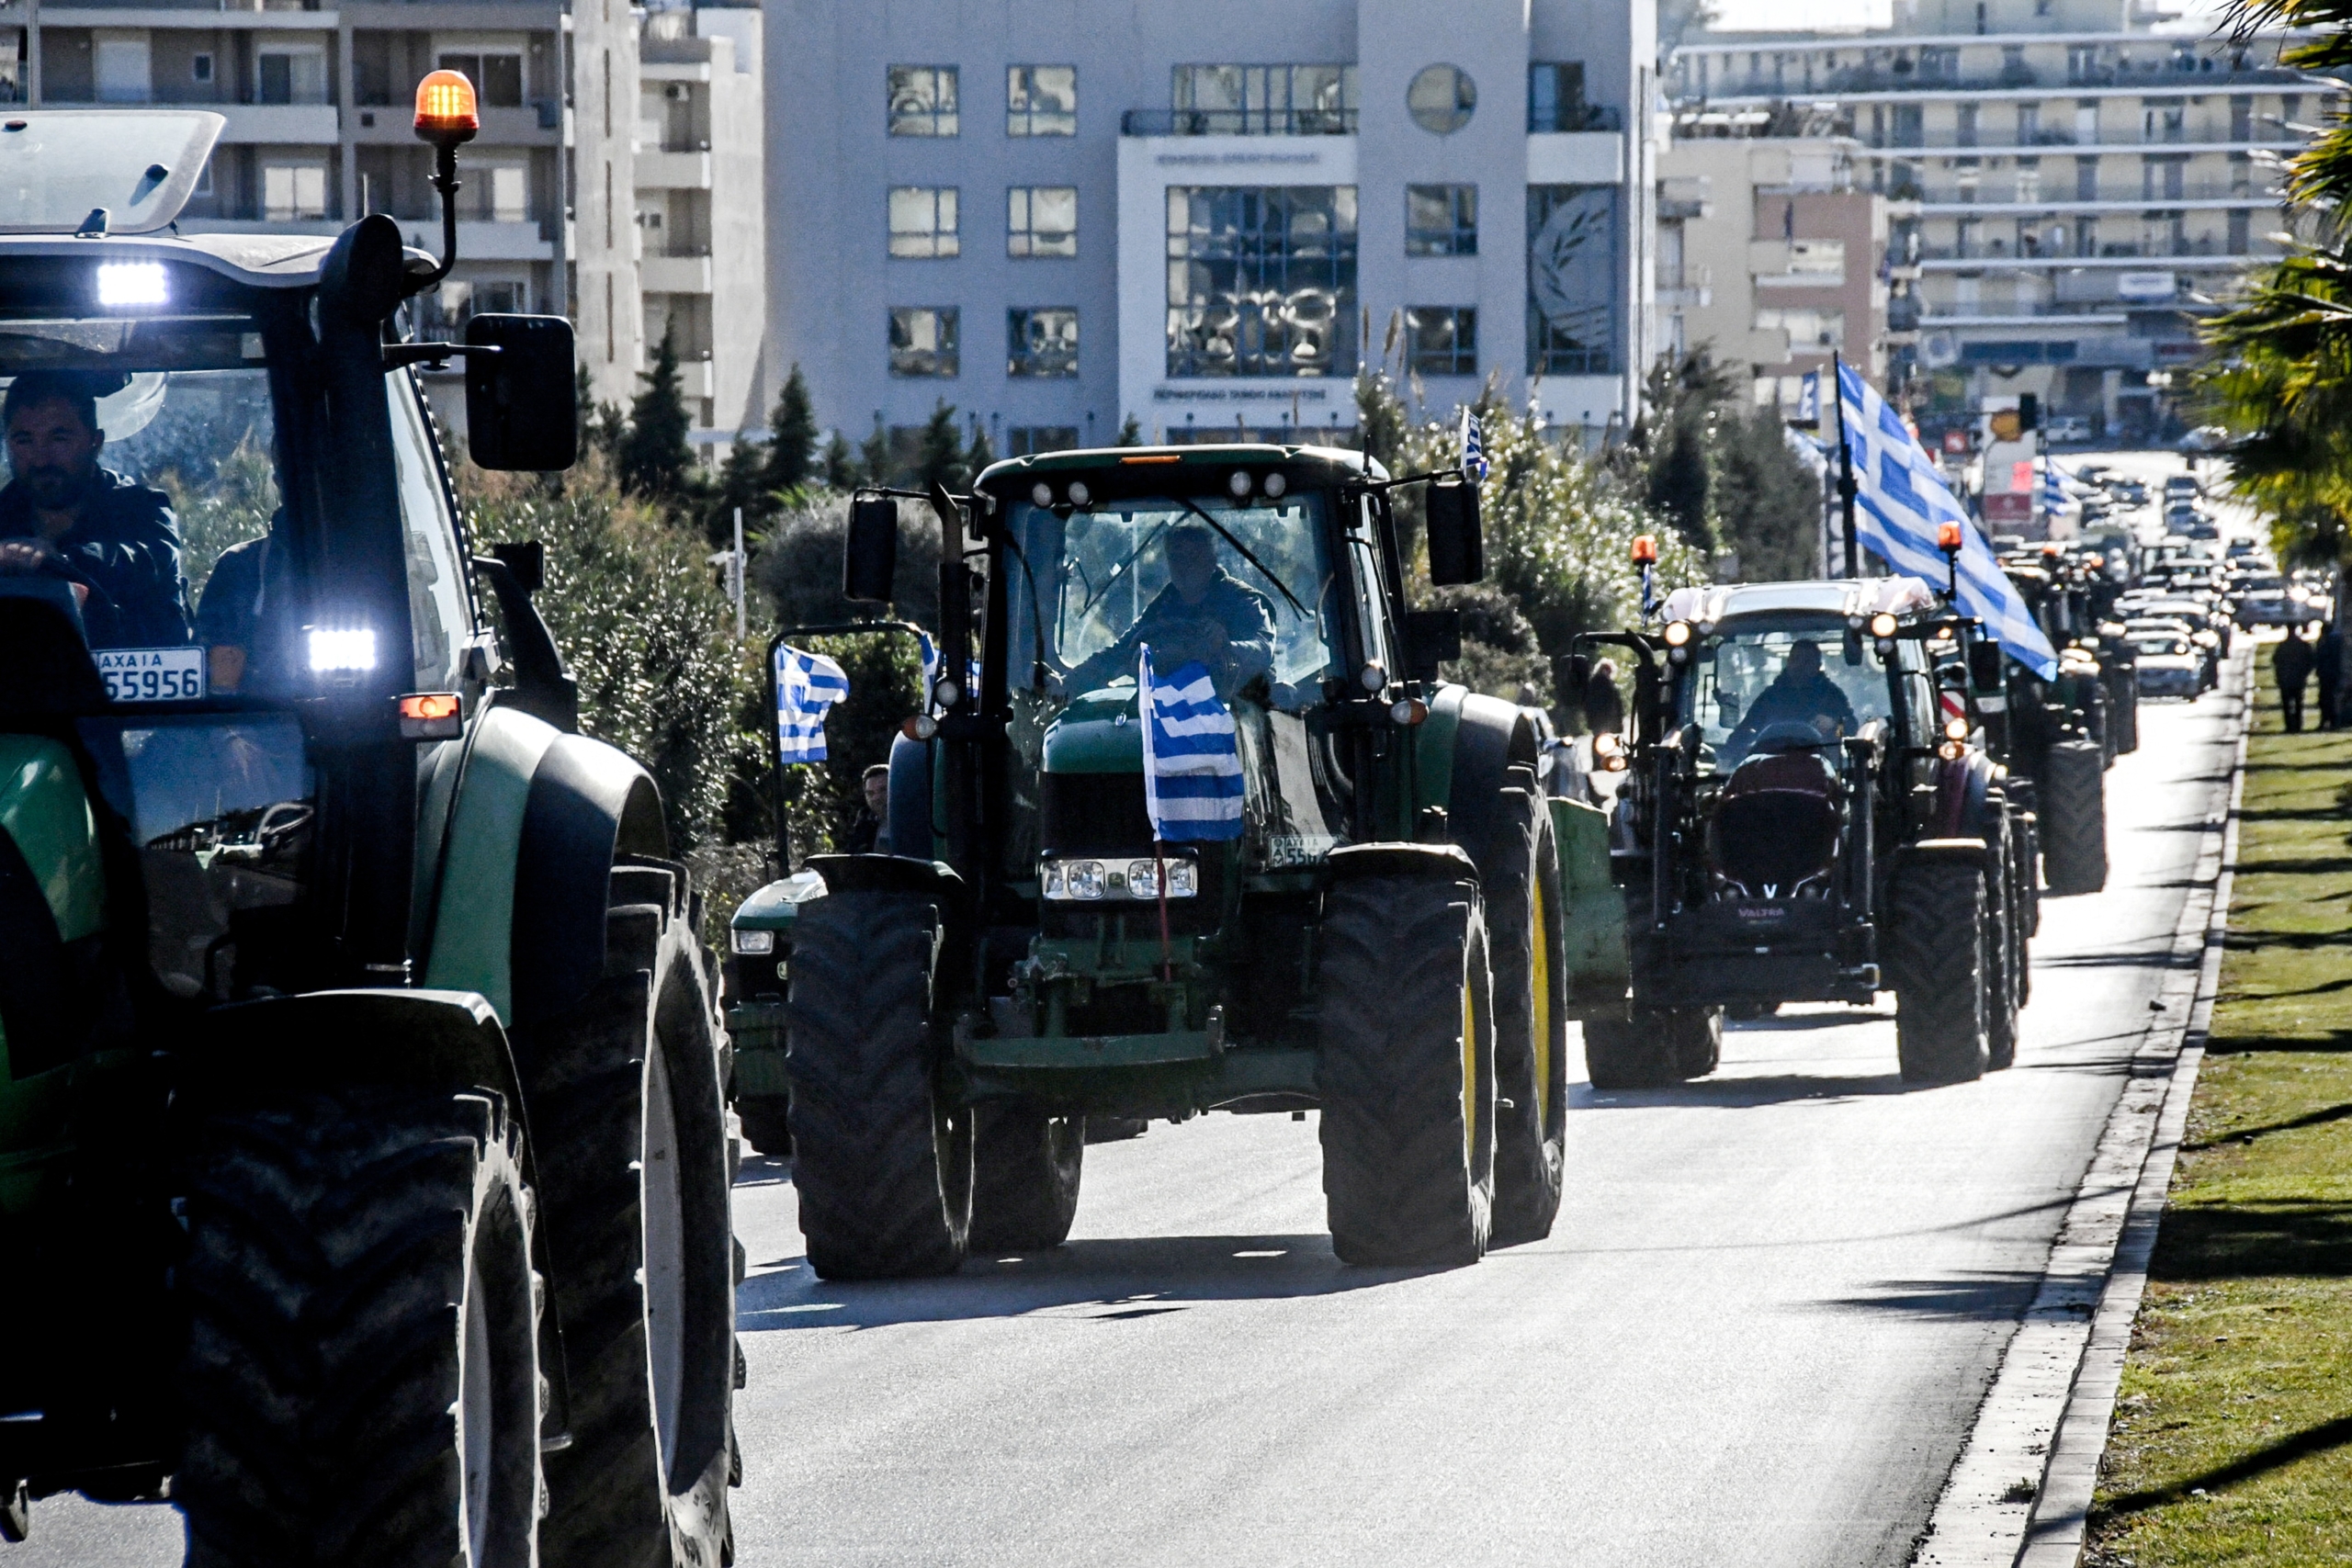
x=2232 y=1441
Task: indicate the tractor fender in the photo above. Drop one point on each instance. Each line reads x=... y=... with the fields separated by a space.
x=591 y=806
x=1940 y=851
x=326 y=1039
x=890 y=874
x=1964 y=807
x=1436 y=863
x=912 y=823
x=1491 y=737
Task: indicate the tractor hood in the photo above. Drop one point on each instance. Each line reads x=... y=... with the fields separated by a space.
x=1096 y=733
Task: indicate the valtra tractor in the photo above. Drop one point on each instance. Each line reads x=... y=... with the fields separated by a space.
x=1392 y=928
x=1808 y=813
x=2059 y=736
x=364 y=1169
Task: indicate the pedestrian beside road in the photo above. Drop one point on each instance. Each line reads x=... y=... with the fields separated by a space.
x=2291 y=663
x=2330 y=655
x=1604 y=706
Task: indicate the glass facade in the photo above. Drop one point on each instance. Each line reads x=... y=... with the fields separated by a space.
x=1262 y=280
x=1041 y=100
x=1264 y=100
x=924 y=222
x=1042 y=342
x=923 y=340
x=1572 y=280
x=922 y=100
x=1041 y=220
x=1441 y=220
x=1442 y=340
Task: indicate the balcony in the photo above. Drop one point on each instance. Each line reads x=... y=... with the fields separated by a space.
x=675 y=273
x=673 y=171
x=1238 y=122
x=2212 y=138
x=279 y=125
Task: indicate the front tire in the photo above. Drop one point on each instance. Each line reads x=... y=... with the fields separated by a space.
x=1407 y=1032
x=629 y=1111
x=361 y=1377
x=882 y=1157
x=1938 y=951
x=1654 y=1048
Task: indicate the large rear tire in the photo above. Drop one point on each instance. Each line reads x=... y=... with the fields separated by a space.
x=629 y=1116
x=2073 y=808
x=1655 y=1048
x=881 y=1156
x=361 y=1376
x=1938 y=946
x=1407 y=1032
x=1521 y=897
x=2002 y=944
x=1026 y=1164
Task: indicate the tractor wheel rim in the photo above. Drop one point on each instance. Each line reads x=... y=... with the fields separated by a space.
x=1469 y=1079
x=476 y=1416
x=1540 y=976
x=666 y=1255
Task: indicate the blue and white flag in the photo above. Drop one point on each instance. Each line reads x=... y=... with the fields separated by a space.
x=930 y=670
x=2053 y=494
x=807 y=686
x=1808 y=414
x=1474 y=448
x=1899 y=502
x=1192 y=755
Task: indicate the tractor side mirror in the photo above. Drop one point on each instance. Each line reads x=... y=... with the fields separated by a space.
x=870 y=553
x=522 y=398
x=1457 y=549
x=528 y=562
x=1984 y=665
x=1432 y=638
x=1579 y=675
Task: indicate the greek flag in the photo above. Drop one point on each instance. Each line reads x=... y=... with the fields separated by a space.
x=930 y=670
x=1899 y=501
x=1474 y=448
x=1191 y=759
x=2053 y=494
x=807 y=686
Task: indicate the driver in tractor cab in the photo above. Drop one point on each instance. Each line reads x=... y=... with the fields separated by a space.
x=1205 y=614
x=62 y=515
x=1801 y=693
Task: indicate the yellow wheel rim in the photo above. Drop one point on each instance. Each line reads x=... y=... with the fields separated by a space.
x=1540 y=975
x=1469 y=1077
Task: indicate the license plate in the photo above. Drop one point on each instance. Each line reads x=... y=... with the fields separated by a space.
x=152 y=674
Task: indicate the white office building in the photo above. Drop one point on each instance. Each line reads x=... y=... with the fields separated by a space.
x=1207 y=218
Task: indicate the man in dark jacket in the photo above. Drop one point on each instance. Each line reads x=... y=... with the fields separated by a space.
x=1203 y=614
x=1801 y=693
x=2291 y=663
x=62 y=515
x=2328 y=665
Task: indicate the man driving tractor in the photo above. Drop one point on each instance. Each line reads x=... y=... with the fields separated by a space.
x=1802 y=693
x=62 y=515
x=1205 y=614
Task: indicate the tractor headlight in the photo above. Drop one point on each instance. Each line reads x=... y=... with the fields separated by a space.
x=1677 y=633
x=339 y=650
x=1955 y=728
x=753 y=943
x=1090 y=881
x=1883 y=625
x=1606 y=745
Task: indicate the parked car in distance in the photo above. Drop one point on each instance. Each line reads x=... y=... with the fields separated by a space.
x=2068 y=427
x=2168 y=664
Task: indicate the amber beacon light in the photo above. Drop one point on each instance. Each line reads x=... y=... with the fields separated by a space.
x=446 y=110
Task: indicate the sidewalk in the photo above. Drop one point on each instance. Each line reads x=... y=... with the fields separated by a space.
x=2232 y=1441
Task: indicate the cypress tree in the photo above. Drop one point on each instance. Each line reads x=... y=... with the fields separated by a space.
x=941 y=457
x=873 y=454
x=793 y=441
x=1130 y=434
x=979 y=455
x=654 y=455
x=840 y=464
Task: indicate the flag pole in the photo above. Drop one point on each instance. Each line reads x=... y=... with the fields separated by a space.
x=1845 y=465
x=1160 y=858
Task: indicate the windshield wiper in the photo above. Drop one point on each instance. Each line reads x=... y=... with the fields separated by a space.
x=1223 y=532
x=1113 y=581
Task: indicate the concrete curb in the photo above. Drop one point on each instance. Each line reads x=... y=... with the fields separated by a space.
x=2019 y=1494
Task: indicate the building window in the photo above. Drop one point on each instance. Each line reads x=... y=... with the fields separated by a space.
x=1571 y=280
x=1262 y=280
x=1041 y=100
x=290 y=76
x=1029 y=440
x=1939 y=64
x=1555 y=96
x=922 y=100
x=293 y=190
x=1264 y=100
x=124 y=70
x=1442 y=340
x=1441 y=220
x=1042 y=344
x=2086 y=179
x=1441 y=98
x=1041 y=220
x=922 y=222
x=2029 y=181
x=200 y=67
x=2028 y=124
x=1809 y=327
x=497 y=78
x=922 y=339
x=2240 y=232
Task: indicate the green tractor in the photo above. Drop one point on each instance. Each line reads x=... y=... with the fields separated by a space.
x=1347 y=892
x=2058 y=736
x=363 y=1163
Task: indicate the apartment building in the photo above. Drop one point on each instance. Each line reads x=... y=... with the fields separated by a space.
x=2068 y=180
x=1771 y=254
x=1208 y=218
x=318 y=100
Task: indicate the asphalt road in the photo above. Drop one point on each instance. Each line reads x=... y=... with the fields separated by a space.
x=1757 y=1334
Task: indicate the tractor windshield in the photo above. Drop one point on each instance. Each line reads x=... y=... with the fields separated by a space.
x=1784 y=686
x=1245 y=589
